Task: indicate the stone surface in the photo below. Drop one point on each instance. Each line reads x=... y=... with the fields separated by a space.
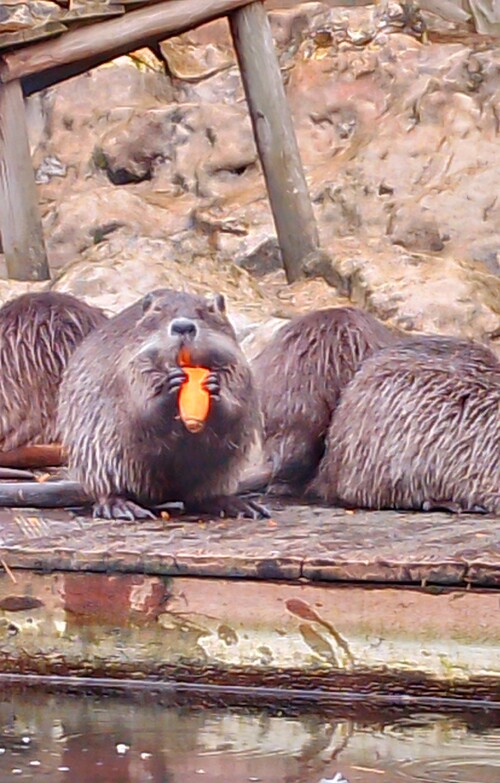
x=420 y=291
x=415 y=229
x=15 y=16
x=107 y=274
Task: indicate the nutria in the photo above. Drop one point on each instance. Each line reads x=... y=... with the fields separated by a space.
x=299 y=376
x=418 y=427
x=119 y=414
x=38 y=334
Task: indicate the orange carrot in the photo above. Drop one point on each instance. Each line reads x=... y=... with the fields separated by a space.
x=194 y=400
x=184 y=357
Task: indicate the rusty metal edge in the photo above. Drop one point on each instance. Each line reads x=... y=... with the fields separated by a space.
x=237 y=694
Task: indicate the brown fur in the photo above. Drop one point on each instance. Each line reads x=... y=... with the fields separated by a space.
x=38 y=334
x=119 y=413
x=300 y=375
x=418 y=427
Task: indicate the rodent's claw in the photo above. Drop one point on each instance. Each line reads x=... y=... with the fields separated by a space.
x=120 y=508
x=212 y=385
x=453 y=507
x=176 y=377
x=256 y=510
x=230 y=506
x=441 y=505
x=477 y=509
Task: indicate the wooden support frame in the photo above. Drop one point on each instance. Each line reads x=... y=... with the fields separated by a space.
x=20 y=223
x=49 y=62
x=105 y=40
x=275 y=137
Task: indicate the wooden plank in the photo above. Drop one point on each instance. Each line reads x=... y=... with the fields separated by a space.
x=15 y=474
x=19 y=495
x=35 y=456
x=275 y=137
x=299 y=542
x=116 y=36
x=326 y=637
x=20 y=222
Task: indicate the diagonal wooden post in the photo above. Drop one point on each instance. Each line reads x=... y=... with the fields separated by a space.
x=20 y=223
x=275 y=136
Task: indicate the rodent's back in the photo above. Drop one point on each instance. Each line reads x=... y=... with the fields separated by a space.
x=39 y=332
x=300 y=375
x=419 y=424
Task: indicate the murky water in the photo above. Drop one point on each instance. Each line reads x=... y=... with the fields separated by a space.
x=90 y=739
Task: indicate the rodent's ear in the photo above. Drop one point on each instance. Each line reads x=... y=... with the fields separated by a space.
x=217 y=304
x=147 y=302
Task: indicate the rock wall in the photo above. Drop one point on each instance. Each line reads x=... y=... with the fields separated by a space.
x=148 y=173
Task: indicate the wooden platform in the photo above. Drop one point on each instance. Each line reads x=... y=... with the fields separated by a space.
x=315 y=600
x=299 y=542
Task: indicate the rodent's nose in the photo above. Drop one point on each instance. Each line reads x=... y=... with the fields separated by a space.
x=183 y=326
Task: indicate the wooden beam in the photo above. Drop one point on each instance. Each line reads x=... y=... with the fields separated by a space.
x=13 y=474
x=34 y=456
x=109 y=39
x=275 y=137
x=20 y=223
x=44 y=494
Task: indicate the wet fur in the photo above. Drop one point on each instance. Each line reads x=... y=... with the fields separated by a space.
x=39 y=332
x=418 y=427
x=300 y=375
x=120 y=422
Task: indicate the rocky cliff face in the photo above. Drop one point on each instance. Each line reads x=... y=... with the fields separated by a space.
x=148 y=173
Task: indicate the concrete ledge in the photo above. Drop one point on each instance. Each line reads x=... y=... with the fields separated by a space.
x=314 y=601
x=327 y=637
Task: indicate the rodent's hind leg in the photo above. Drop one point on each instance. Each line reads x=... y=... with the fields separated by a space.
x=229 y=506
x=257 y=480
x=114 y=507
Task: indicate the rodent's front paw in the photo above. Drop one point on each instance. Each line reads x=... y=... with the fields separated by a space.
x=176 y=377
x=212 y=385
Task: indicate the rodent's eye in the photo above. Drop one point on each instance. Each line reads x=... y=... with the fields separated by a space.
x=217 y=304
x=147 y=302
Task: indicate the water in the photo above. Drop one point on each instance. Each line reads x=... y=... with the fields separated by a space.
x=120 y=739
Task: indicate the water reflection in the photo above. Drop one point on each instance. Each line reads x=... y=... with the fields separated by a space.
x=89 y=739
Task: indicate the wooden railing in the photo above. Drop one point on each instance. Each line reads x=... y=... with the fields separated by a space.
x=36 y=66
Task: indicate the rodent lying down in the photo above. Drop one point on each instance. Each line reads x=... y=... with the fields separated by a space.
x=364 y=417
x=39 y=332
x=418 y=427
x=300 y=375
